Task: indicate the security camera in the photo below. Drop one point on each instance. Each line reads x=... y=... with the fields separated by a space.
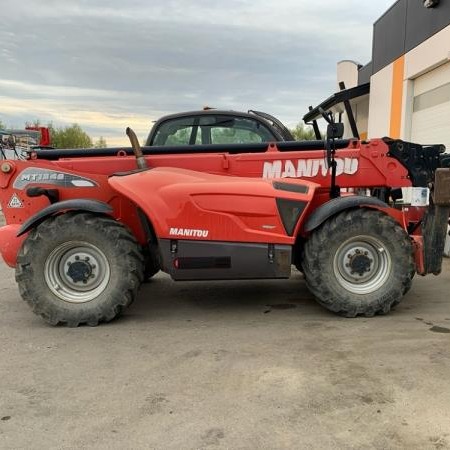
x=430 y=3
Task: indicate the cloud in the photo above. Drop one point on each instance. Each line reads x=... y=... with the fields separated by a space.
x=103 y=63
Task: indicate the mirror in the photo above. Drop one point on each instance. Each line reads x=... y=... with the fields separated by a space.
x=335 y=130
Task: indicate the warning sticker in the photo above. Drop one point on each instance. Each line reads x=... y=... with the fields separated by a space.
x=15 y=202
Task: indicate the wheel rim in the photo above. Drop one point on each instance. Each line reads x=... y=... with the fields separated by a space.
x=77 y=272
x=362 y=264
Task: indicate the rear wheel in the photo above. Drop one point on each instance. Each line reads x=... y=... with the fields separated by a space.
x=359 y=262
x=78 y=268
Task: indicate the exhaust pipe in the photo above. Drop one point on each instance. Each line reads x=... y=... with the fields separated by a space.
x=140 y=160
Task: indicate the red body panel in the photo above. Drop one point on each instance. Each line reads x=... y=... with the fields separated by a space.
x=219 y=208
x=124 y=210
x=10 y=243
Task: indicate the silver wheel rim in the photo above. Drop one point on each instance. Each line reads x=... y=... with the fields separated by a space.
x=77 y=272
x=362 y=264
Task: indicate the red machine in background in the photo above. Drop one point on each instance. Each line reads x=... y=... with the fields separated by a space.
x=14 y=143
x=45 y=138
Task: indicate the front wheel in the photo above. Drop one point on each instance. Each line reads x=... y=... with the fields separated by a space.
x=79 y=268
x=360 y=262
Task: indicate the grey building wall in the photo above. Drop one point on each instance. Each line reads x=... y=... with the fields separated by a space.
x=405 y=25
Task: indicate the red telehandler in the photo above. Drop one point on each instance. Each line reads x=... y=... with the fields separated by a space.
x=85 y=229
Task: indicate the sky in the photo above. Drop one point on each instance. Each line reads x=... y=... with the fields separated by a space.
x=111 y=64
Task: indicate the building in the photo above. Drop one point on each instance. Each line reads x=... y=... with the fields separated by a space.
x=408 y=76
x=404 y=91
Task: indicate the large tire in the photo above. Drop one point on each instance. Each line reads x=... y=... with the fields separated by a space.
x=359 y=262
x=79 y=268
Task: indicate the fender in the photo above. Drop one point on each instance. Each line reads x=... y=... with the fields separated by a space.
x=79 y=204
x=336 y=205
x=10 y=243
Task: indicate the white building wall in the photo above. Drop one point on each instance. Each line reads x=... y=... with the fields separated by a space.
x=430 y=54
x=361 y=111
x=432 y=79
x=380 y=103
x=426 y=67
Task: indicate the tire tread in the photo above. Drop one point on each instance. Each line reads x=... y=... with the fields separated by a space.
x=119 y=237
x=382 y=224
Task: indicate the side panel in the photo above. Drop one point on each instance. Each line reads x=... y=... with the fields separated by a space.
x=203 y=260
x=190 y=205
x=16 y=177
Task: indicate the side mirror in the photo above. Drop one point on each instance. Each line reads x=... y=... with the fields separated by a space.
x=335 y=130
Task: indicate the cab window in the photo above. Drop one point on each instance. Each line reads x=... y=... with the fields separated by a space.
x=233 y=130
x=211 y=129
x=182 y=131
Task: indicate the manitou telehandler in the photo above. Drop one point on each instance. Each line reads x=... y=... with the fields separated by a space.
x=84 y=228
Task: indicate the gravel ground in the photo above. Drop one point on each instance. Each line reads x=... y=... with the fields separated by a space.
x=232 y=365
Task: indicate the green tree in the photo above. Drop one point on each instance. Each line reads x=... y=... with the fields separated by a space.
x=100 y=143
x=35 y=123
x=234 y=136
x=2 y=125
x=301 y=133
x=71 y=136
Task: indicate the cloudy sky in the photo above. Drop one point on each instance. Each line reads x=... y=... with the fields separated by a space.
x=110 y=64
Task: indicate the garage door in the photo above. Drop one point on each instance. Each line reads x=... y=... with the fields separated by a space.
x=431 y=108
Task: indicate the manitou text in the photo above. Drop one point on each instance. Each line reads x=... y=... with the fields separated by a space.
x=308 y=168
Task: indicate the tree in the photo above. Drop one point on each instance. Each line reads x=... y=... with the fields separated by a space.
x=35 y=123
x=301 y=133
x=100 y=143
x=2 y=125
x=69 y=137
